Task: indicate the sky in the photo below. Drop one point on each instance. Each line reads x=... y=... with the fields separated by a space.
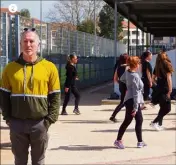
x=32 y=6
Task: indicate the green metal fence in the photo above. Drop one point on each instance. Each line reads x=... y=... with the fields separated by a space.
x=57 y=44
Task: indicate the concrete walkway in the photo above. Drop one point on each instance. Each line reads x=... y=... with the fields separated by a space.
x=89 y=138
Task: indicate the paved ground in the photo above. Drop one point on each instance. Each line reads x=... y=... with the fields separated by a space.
x=88 y=138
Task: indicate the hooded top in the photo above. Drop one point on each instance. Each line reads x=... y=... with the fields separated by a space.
x=30 y=90
x=71 y=74
x=134 y=88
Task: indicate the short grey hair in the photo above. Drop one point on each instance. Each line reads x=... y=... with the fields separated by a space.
x=24 y=33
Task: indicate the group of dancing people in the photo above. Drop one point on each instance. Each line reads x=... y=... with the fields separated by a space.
x=30 y=96
x=135 y=78
x=135 y=90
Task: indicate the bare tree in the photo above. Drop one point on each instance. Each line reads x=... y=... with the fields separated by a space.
x=73 y=11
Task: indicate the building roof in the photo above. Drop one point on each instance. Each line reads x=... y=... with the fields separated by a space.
x=37 y=21
x=157 y=17
x=125 y=25
x=69 y=26
x=6 y=10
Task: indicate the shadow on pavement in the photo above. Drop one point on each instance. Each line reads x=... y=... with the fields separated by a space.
x=157 y=114
x=5 y=146
x=105 y=110
x=133 y=130
x=86 y=121
x=108 y=110
x=85 y=148
x=95 y=98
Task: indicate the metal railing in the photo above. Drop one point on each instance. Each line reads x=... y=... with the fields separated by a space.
x=57 y=43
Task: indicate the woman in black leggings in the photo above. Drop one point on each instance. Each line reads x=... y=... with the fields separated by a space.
x=147 y=74
x=132 y=101
x=122 y=86
x=71 y=76
x=162 y=72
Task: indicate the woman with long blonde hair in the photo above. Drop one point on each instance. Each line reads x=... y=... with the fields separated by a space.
x=162 y=76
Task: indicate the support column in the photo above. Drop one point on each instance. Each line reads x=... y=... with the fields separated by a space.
x=153 y=44
x=41 y=28
x=48 y=38
x=11 y=39
x=4 y=57
x=115 y=31
x=128 y=34
x=17 y=35
x=95 y=34
x=137 y=41
x=142 y=41
x=116 y=88
x=147 y=41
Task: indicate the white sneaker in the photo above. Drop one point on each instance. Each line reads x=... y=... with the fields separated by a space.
x=160 y=127
x=156 y=126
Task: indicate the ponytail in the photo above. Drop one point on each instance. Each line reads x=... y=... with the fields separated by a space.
x=69 y=58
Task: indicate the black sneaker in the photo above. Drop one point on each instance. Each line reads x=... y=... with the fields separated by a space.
x=64 y=113
x=113 y=119
x=76 y=111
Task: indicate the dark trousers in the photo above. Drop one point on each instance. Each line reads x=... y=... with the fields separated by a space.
x=128 y=119
x=25 y=133
x=122 y=88
x=146 y=89
x=165 y=108
x=76 y=93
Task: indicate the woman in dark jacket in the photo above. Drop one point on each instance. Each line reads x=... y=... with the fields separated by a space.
x=122 y=86
x=147 y=73
x=71 y=76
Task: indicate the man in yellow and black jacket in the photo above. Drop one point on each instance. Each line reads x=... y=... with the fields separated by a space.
x=30 y=100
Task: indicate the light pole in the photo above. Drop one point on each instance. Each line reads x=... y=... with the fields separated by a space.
x=41 y=28
x=95 y=34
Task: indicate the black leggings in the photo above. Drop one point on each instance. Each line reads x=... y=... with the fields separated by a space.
x=146 y=89
x=76 y=93
x=128 y=119
x=165 y=108
x=122 y=88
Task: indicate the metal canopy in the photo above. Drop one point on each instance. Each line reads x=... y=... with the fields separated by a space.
x=157 y=17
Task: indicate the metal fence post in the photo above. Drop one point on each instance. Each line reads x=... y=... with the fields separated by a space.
x=17 y=35
x=61 y=40
x=90 y=46
x=84 y=44
x=83 y=70
x=5 y=39
x=48 y=38
x=90 y=70
x=115 y=31
x=10 y=38
x=68 y=39
x=77 y=42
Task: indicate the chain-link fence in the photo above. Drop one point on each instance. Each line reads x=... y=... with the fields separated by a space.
x=155 y=49
x=4 y=49
x=96 y=57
